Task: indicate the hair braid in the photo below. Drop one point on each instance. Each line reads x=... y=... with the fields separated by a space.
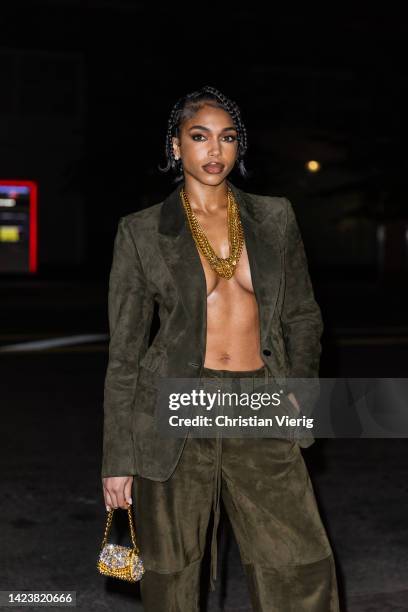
x=193 y=102
x=232 y=108
x=171 y=160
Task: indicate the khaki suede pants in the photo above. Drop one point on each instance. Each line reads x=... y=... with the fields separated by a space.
x=268 y=495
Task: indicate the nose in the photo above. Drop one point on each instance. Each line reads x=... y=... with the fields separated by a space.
x=214 y=150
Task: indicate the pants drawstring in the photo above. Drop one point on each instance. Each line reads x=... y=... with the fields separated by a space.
x=216 y=507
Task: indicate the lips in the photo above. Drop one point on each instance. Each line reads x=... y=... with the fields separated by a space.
x=213 y=168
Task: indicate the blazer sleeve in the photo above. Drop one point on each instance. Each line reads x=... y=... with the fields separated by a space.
x=301 y=316
x=130 y=309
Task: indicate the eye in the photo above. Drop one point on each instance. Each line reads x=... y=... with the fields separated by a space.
x=197 y=137
x=233 y=138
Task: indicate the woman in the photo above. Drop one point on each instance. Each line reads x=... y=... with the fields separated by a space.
x=229 y=273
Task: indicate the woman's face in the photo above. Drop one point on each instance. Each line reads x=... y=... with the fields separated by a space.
x=207 y=146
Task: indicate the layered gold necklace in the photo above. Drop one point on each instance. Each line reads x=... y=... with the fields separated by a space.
x=224 y=267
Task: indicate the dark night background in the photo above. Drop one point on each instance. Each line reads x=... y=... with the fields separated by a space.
x=86 y=92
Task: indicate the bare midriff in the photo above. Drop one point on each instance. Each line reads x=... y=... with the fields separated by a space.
x=233 y=339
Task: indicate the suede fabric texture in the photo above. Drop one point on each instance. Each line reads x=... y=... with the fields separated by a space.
x=268 y=496
x=155 y=259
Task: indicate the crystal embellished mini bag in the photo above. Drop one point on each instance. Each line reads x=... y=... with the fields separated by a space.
x=117 y=561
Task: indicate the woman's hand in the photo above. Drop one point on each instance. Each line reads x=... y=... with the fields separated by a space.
x=117 y=491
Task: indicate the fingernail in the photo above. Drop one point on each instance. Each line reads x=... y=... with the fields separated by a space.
x=129 y=500
x=108 y=508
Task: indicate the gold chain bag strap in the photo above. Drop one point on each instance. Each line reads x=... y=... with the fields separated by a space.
x=117 y=561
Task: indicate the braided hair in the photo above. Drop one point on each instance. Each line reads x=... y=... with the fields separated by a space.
x=185 y=108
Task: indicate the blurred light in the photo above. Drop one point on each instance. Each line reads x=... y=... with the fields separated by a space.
x=9 y=233
x=13 y=191
x=7 y=202
x=18 y=226
x=313 y=165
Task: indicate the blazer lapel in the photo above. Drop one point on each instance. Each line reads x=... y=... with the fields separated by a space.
x=180 y=254
x=263 y=243
x=183 y=262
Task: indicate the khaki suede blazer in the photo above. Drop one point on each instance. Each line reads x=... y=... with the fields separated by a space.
x=155 y=259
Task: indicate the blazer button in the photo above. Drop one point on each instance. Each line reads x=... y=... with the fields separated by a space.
x=267 y=352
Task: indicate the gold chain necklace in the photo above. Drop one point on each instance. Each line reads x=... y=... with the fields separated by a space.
x=223 y=267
